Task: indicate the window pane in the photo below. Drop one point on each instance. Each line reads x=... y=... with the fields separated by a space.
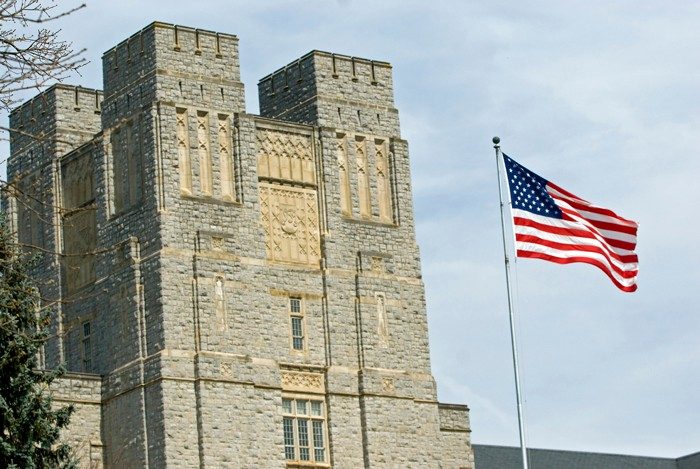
x=288 y=427
x=301 y=407
x=86 y=329
x=316 y=408
x=303 y=429
x=297 y=330
x=287 y=406
x=319 y=450
x=295 y=305
x=298 y=343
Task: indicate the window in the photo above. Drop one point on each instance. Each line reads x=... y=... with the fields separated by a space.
x=87 y=348
x=297 y=324
x=304 y=430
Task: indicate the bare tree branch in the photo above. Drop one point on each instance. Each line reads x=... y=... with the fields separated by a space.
x=31 y=57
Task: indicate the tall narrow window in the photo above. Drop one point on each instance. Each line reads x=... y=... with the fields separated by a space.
x=225 y=160
x=204 y=155
x=304 y=431
x=383 y=186
x=87 y=347
x=362 y=177
x=345 y=197
x=296 y=315
x=183 y=150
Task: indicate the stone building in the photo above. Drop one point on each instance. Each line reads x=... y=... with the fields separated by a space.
x=227 y=289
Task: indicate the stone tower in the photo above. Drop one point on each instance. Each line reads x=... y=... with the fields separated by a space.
x=231 y=290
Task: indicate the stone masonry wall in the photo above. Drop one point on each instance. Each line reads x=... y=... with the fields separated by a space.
x=241 y=266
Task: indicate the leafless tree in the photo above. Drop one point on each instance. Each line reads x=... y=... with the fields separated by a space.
x=32 y=55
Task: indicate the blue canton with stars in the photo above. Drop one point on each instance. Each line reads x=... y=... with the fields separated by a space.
x=528 y=190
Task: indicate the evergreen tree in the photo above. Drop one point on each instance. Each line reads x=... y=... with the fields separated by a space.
x=29 y=425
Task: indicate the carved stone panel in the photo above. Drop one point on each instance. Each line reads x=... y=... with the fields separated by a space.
x=363 y=185
x=290 y=219
x=220 y=304
x=77 y=181
x=30 y=211
x=225 y=159
x=79 y=241
x=183 y=150
x=344 y=175
x=205 y=170
x=127 y=175
x=302 y=381
x=383 y=185
x=284 y=155
x=382 y=319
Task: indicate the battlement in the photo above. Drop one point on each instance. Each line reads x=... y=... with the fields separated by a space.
x=190 y=65
x=332 y=90
x=58 y=119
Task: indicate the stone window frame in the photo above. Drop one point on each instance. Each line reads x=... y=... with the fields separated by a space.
x=297 y=322
x=315 y=418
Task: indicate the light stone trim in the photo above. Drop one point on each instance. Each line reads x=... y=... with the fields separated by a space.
x=302 y=382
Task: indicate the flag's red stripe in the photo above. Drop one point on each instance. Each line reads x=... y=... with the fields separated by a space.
x=578 y=247
x=624 y=257
x=565 y=192
x=571 y=260
x=603 y=225
x=581 y=233
x=585 y=205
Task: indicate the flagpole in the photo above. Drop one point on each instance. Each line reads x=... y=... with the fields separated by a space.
x=518 y=394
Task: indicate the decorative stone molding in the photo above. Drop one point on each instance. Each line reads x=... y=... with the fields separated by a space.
x=290 y=219
x=283 y=155
x=302 y=381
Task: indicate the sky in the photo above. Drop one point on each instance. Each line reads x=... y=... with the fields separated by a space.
x=600 y=97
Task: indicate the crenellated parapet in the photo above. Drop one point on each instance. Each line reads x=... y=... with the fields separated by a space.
x=332 y=90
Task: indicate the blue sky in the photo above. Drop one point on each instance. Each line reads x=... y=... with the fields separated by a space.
x=600 y=97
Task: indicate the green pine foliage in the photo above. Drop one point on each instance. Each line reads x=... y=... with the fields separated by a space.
x=29 y=424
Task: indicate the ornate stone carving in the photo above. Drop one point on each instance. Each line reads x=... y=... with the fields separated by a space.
x=290 y=219
x=225 y=160
x=30 y=209
x=388 y=385
x=183 y=151
x=383 y=185
x=226 y=369
x=204 y=154
x=283 y=155
x=77 y=181
x=217 y=243
x=377 y=264
x=363 y=178
x=220 y=304
x=302 y=381
x=79 y=239
x=345 y=195
x=126 y=166
x=382 y=319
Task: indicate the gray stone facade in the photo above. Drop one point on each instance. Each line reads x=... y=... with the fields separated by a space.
x=231 y=290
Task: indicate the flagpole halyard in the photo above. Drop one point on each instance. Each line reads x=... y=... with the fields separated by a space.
x=518 y=393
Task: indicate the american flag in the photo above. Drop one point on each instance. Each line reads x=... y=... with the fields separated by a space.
x=553 y=224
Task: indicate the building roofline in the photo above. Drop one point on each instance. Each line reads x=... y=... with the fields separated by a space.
x=161 y=24
x=322 y=53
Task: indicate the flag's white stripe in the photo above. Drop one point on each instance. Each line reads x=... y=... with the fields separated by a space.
x=629 y=238
x=605 y=218
x=573 y=241
x=531 y=247
x=593 y=215
x=566 y=224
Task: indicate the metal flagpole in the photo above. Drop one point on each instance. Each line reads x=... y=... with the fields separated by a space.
x=518 y=395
